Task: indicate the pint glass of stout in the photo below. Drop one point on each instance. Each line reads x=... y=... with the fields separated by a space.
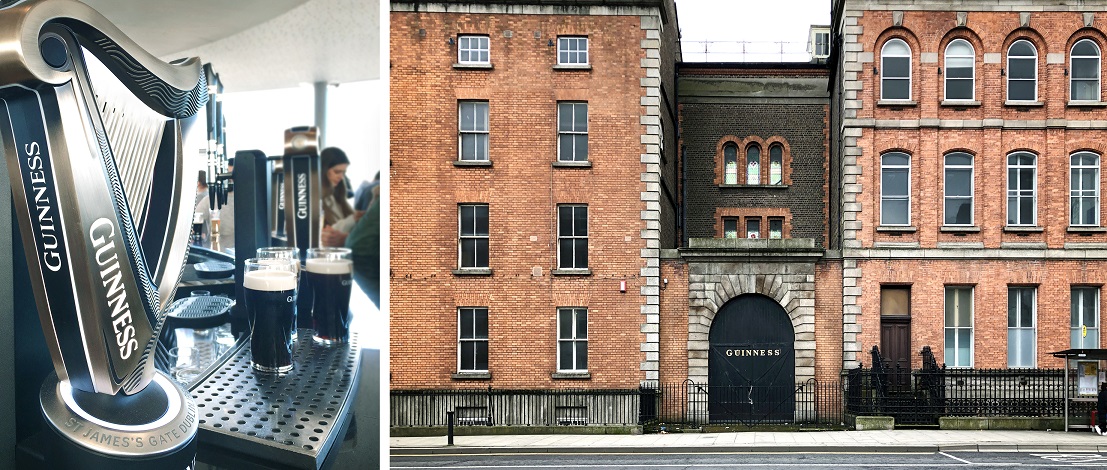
x=329 y=275
x=292 y=254
x=270 y=286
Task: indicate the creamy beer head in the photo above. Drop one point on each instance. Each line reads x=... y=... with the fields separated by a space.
x=272 y=280
x=328 y=266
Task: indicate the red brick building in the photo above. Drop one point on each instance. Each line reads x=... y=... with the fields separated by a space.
x=971 y=146
x=533 y=161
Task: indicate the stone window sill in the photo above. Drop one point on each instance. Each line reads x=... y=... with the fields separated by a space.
x=762 y=186
x=960 y=103
x=476 y=66
x=960 y=229
x=1086 y=229
x=897 y=228
x=1088 y=104
x=472 y=272
x=577 y=67
x=472 y=376
x=1023 y=229
x=897 y=103
x=571 y=272
x=571 y=375
x=471 y=163
x=1024 y=104
x=572 y=164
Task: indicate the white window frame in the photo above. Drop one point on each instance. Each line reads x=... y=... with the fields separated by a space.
x=476 y=131
x=1098 y=71
x=461 y=237
x=574 y=131
x=572 y=56
x=885 y=54
x=1080 y=194
x=826 y=44
x=730 y=167
x=474 y=339
x=907 y=194
x=1076 y=331
x=972 y=80
x=465 y=45
x=572 y=236
x=753 y=174
x=953 y=362
x=1021 y=193
x=1013 y=331
x=573 y=340
x=972 y=187
x=1035 y=79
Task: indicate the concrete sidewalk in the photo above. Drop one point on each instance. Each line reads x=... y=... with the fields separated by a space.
x=757 y=441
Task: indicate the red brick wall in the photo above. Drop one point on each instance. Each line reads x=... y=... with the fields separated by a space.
x=990 y=280
x=828 y=320
x=522 y=190
x=674 y=322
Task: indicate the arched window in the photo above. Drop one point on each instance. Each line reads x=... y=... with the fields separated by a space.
x=1022 y=182
x=1084 y=189
x=1084 y=77
x=1022 y=71
x=895 y=189
x=776 y=164
x=960 y=70
x=753 y=165
x=730 y=159
x=959 y=189
x=895 y=70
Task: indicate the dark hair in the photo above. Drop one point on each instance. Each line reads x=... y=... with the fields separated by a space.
x=332 y=156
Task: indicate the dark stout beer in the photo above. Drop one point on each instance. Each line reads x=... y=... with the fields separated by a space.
x=270 y=302
x=330 y=280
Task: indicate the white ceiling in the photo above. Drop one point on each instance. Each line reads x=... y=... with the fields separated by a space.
x=259 y=44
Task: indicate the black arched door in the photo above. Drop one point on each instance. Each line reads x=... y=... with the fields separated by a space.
x=751 y=362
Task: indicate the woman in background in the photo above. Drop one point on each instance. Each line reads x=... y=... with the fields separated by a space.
x=338 y=216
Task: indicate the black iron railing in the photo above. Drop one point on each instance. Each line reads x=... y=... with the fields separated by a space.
x=492 y=407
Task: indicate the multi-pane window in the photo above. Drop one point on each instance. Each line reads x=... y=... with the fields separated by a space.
x=1021 y=336
x=1022 y=168
x=776 y=164
x=1022 y=71
x=1084 y=189
x=960 y=70
x=572 y=339
x=895 y=70
x=572 y=237
x=1084 y=324
x=572 y=51
x=895 y=189
x=472 y=129
x=472 y=49
x=730 y=163
x=472 y=339
x=776 y=228
x=572 y=132
x=822 y=44
x=753 y=227
x=958 y=326
x=472 y=235
x=959 y=189
x=730 y=227
x=1084 y=78
x=753 y=165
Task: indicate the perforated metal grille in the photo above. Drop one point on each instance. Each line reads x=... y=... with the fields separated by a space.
x=293 y=419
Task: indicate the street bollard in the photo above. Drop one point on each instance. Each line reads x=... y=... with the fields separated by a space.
x=449 y=428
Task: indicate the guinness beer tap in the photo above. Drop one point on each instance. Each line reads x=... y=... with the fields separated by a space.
x=91 y=131
x=303 y=201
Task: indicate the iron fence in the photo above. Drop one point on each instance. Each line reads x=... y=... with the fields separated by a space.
x=809 y=402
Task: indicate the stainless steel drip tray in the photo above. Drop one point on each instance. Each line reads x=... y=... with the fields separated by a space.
x=291 y=420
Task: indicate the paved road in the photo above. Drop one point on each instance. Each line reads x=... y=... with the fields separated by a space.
x=720 y=461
